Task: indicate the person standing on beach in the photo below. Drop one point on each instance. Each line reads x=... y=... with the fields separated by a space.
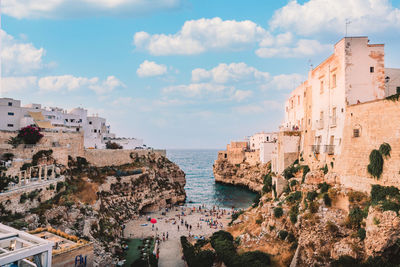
x=167 y=235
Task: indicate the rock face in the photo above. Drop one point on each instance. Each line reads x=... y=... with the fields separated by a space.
x=382 y=231
x=250 y=176
x=97 y=202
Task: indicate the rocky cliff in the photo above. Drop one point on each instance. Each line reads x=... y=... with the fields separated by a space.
x=95 y=202
x=318 y=224
x=250 y=176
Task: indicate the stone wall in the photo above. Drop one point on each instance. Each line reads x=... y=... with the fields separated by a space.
x=116 y=157
x=378 y=122
x=11 y=200
x=252 y=157
x=67 y=258
x=62 y=144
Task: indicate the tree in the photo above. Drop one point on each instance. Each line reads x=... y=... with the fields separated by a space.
x=30 y=135
x=113 y=145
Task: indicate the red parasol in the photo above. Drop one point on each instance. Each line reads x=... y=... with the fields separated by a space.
x=153 y=221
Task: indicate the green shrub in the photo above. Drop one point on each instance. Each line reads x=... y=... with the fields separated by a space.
x=361 y=233
x=311 y=195
x=293 y=183
x=324 y=187
x=196 y=258
x=256 y=200
x=380 y=193
x=294 y=211
x=259 y=221
x=253 y=259
x=355 y=217
x=385 y=149
x=282 y=234
x=327 y=200
x=389 y=205
x=278 y=212
x=306 y=170
x=267 y=183
x=375 y=167
x=325 y=169
x=293 y=197
x=290 y=238
x=313 y=207
x=23 y=198
x=235 y=215
x=7 y=156
x=290 y=171
x=345 y=261
x=59 y=186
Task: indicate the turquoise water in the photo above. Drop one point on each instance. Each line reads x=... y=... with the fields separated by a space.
x=200 y=185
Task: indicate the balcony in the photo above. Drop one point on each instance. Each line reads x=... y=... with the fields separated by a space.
x=320 y=124
x=329 y=149
x=333 y=122
x=316 y=148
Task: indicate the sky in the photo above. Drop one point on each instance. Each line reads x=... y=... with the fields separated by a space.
x=180 y=73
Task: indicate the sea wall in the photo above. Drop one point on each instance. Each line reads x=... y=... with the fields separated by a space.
x=116 y=157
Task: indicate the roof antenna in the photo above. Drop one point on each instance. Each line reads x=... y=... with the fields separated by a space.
x=347 y=25
x=309 y=62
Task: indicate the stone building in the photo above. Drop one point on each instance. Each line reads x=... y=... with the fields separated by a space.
x=329 y=110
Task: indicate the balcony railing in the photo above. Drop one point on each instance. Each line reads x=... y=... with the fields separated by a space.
x=333 y=122
x=316 y=148
x=320 y=124
x=329 y=149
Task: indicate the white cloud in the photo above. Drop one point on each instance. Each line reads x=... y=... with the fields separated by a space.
x=78 y=8
x=194 y=89
x=122 y=101
x=70 y=83
x=263 y=107
x=233 y=72
x=19 y=58
x=315 y=16
x=17 y=84
x=150 y=68
x=302 y=48
x=107 y=86
x=283 y=82
x=241 y=95
x=197 y=36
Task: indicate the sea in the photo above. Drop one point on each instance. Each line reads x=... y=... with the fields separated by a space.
x=200 y=184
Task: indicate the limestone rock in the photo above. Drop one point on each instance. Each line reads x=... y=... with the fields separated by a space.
x=382 y=231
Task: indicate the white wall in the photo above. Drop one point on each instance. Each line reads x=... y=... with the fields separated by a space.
x=266 y=150
x=258 y=138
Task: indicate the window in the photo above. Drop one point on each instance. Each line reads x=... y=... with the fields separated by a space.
x=334 y=81
x=398 y=90
x=298 y=99
x=371 y=69
x=10 y=113
x=10 y=125
x=267 y=138
x=9 y=104
x=321 y=89
x=90 y=122
x=95 y=130
x=356 y=132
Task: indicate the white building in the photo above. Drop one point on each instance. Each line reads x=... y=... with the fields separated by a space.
x=23 y=249
x=13 y=117
x=257 y=139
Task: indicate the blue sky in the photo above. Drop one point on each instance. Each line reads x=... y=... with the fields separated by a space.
x=179 y=73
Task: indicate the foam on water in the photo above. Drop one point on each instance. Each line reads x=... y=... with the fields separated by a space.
x=200 y=185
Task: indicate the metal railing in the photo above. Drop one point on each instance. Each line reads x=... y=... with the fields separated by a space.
x=329 y=149
x=316 y=148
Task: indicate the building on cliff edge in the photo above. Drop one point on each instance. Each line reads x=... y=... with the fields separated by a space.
x=341 y=113
x=95 y=129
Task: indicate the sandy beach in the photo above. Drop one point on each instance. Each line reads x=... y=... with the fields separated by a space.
x=203 y=223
